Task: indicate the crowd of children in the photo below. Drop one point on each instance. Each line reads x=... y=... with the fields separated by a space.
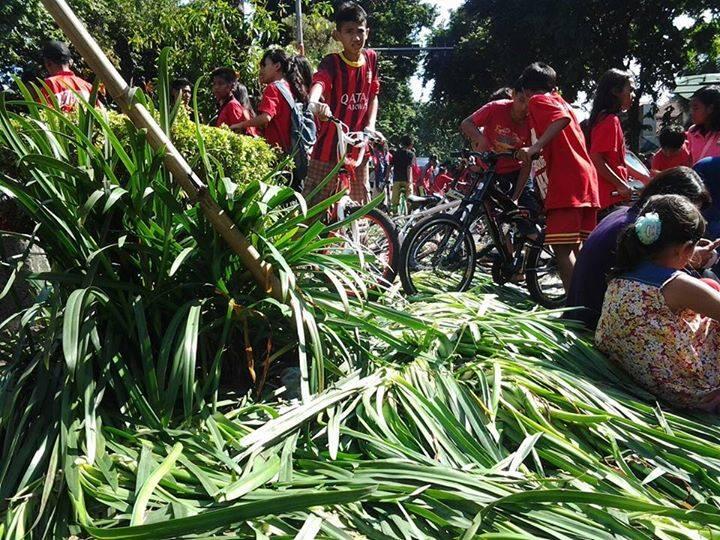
x=637 y=276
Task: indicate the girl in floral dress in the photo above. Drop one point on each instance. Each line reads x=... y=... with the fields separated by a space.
x=658 y=322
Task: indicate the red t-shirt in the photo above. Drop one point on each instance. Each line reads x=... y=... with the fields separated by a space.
x=64 y=85
x=569 y=174
x=428 y=177
x=278 y=131
x=231 y=113
x=608 y=140
x=661 y=162
x=417 y=173
x=502 y=132
x=442 y=181
x=349 y=89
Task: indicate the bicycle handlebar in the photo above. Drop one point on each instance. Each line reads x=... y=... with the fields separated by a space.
x=356 y=139
x=487 y=156
x=371 y=136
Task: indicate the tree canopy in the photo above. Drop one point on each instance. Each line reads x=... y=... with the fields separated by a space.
x=204 y=34
x=495 y=39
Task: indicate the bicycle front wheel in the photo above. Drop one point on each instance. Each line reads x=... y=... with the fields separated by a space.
x=376 y=235
x=438 y=255
x=543 y=278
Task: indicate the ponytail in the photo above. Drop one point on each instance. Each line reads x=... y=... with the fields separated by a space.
x=293 y=70
x=295 y=80
x=299 y=77
x=630 y=252
x=240 y=92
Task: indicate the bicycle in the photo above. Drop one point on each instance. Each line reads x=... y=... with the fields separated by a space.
x=422 y=206
x=367 y=231
x=439 y=252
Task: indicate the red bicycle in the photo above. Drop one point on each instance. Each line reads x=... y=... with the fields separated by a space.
x=363 y=228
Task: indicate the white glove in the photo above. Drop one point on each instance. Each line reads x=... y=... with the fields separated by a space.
x=374 y=134
x=321 y=110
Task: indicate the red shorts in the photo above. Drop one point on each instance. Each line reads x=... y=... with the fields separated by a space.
x=569 y=225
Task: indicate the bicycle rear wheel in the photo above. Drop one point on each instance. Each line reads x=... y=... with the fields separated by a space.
x=438 y=255
x=375 y=234
x=543 y=278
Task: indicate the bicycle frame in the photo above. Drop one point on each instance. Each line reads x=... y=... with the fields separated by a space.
x=411 y=219
x=483 y=202
x=355 y=139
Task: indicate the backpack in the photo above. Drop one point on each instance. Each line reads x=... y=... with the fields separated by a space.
x=303 y=134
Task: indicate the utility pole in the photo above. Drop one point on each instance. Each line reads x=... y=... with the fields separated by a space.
x=299 y=27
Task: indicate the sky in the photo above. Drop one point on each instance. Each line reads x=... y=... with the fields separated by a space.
x=421 y=92
x=444 y=7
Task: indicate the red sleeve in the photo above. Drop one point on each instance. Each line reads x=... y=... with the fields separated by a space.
x=324 y=75
x=270 y=101
x=233 y=113
x=656 y=160
x=375 y=84
x=606 y=135
x=482 y=116
x=544 y=109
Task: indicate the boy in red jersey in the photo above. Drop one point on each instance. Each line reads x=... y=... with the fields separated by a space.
x=62 y=82
x=348 y=85
x=571 y=200
x=502 y=126
x=674 y=150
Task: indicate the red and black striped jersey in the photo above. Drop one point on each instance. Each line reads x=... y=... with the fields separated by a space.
x=348 y=88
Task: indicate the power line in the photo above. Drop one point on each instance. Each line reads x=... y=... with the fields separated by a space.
x=417 y=50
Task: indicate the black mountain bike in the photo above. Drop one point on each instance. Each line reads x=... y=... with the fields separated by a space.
x=441 y=252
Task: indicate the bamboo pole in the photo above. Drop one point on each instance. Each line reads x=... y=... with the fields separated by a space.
x=182 y=173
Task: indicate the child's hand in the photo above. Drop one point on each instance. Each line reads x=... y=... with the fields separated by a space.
x=321 y=110
x=479 y=144
x=624 y=191
x=526 y=155
x=704 y=253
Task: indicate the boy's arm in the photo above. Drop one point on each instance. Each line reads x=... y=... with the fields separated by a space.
x=321 y=110
x=372 y=114
x=608 y=174
x=522 y=180
x=261 y=120
x=526 y=154
x=477 y=138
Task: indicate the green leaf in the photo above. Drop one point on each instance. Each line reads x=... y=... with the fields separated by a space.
x=140 y=506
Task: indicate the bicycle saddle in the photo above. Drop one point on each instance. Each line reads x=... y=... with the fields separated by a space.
x=428 y=199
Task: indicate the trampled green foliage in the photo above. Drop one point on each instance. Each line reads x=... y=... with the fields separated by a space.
x=145 y=312
x=124 y=411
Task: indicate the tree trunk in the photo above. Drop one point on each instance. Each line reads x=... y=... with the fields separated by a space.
x=635 y=120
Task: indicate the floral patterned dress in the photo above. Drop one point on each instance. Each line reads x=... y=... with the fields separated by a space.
x=676 y=356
